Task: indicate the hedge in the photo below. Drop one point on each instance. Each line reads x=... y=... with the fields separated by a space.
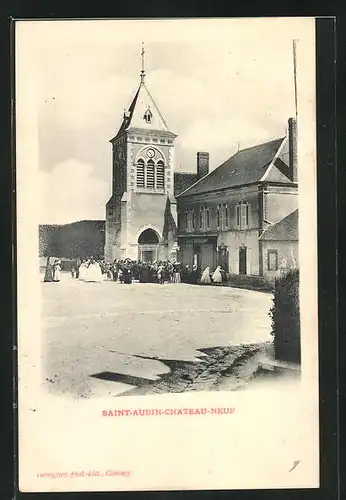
x=285 y=316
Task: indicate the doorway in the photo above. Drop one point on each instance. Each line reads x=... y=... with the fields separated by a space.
x=148 y=244
x=223 y=258
x=147 y=256
x=242 y=260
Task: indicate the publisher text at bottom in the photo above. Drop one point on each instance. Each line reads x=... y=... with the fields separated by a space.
x=83 y=473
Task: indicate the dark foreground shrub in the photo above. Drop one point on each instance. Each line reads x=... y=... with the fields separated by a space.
x=285 y=317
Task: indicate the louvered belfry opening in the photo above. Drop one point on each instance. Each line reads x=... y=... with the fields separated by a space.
x=160 y=175
x=140 y=173
x=150 y=175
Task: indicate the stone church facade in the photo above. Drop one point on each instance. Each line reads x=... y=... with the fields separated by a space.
x=141 y=220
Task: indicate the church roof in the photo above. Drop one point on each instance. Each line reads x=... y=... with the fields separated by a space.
x=245 y=167
x=284 y=230
x=143 y=113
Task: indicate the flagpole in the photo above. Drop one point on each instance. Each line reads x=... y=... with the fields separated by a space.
x=295 y=76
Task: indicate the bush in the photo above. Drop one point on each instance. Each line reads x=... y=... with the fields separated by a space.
x=285 y=316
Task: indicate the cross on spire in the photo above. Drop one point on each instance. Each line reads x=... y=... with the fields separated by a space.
x=143 y=70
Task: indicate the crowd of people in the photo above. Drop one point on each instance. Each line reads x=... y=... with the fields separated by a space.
x=127 y=271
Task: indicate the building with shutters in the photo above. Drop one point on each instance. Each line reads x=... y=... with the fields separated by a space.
x=236 y=215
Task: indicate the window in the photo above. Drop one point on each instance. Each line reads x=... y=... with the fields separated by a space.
x=204 y=218
x=194 y=219
x=222 y=216
x=218 y=216
x=160 y=175
x=184 y=220
x=148 y=116
x=150 y=177
x=243 y=215
x=180 y=220
x=140 y=173
x=238 y=215
x=226 y=216
x=189 y=222
x=272 y=260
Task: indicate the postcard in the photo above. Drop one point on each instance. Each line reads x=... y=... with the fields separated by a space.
x=166 y=254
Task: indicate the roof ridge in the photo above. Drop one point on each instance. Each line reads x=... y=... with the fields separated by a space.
x=259 y=145
x=235 y=155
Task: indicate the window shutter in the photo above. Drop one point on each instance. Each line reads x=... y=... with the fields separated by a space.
x=249 y=262
x=160 y=173
x=243 y=216
x=249 y=225
x=194 y=219
x=204 y=219
x=238 y=215
x=226 y=217
x=150 y=174
x=140 y=173
x=236 y=261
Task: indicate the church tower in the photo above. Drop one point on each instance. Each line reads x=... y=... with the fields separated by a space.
x=141 y=213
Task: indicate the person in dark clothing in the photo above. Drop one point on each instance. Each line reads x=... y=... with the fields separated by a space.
x=48 y=275
x=127 y=275
x=78 y=263
x=194 y=275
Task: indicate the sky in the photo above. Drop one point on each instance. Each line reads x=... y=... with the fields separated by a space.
x=220 y=85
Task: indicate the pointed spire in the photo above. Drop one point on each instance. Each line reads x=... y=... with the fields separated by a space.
x=143 y=70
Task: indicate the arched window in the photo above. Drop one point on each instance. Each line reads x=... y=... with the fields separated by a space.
x=160 y=175
x=150 y=174
x=140 y=173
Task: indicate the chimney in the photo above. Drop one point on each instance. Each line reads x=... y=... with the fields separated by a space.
x=202 y=164
x=292 y=145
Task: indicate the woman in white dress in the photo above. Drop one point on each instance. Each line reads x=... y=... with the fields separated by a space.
x=94 y=272
x=205 y=278
x=83 y=270
x=217 y=276
x=56 y=270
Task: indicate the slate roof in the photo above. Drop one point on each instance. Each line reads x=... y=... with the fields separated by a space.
x=182 y=181
x=134 y=117
x=284 y=230
x=245 y=167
